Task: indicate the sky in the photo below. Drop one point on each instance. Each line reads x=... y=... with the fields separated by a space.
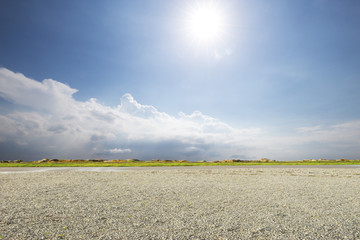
x=191 y=79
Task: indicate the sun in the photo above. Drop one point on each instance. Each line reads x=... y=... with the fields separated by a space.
x=206 y=23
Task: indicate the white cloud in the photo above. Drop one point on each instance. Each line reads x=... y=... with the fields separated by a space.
x=309 y=129
x=54 y=124
x=46 y=121
x=119 y=150
x=46 y=95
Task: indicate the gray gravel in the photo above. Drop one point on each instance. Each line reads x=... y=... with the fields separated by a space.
x=229 y=203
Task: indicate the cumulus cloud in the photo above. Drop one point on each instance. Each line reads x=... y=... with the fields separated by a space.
x=45 y=121
x=46 y=95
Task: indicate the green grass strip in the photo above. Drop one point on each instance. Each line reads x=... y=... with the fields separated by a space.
x=164 y=164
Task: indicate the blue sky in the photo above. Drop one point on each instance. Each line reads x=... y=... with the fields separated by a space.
x=283 y=79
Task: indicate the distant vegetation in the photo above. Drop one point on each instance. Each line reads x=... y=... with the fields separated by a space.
x=158 y=162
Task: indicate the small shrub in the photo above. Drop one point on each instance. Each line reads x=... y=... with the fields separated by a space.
x=132 y=160
x=165 y=160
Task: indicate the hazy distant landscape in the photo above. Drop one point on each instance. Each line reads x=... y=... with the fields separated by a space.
x=194 y=80
x=158 y=162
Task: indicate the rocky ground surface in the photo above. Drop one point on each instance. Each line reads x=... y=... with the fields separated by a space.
x=229 y=203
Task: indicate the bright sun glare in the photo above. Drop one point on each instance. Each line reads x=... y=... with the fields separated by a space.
x=205 y=23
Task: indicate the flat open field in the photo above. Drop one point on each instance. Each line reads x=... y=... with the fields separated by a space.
x=181 y=203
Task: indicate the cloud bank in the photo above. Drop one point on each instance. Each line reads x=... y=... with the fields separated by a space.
x=44 y=120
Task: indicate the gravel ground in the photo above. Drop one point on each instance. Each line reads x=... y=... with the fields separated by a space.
x=229 y=203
